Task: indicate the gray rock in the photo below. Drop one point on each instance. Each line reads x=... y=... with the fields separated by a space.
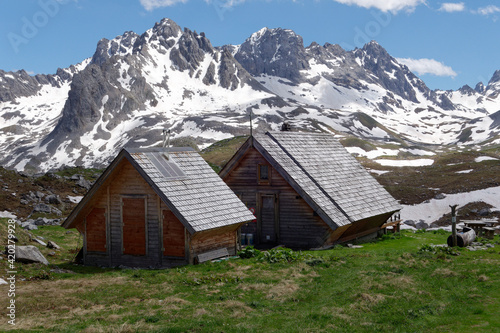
x=82 y=182
x=76 y=176
x=39 y=241
x=29 y=225
x=42 y=208
x=53 y=199
x=410 y=223
x=41 y=221
x=30 y=254
x=52 y=245
x=29 y=197
x=440 y=196
x=422 y=225
x=46 y=221
x=39 y=194
x=490 y=245
x=485 y=211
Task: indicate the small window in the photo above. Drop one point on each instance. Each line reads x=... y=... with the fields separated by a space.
x=264 y=174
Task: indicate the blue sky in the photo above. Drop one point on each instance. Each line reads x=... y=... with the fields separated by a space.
x=447 y=44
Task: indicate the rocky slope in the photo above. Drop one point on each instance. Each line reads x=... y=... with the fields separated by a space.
x=134 y=86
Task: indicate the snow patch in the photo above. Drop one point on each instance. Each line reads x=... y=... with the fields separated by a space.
x=485 y=158
x=406 y=163
x=75 y=199
x=435 y=209
x=8 y=215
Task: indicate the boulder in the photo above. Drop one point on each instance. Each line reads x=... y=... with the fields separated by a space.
x=39 y=241
x=29 y=225
x=46 y=221
x=410 y=223
x=41 y=221
x=84 y=183
x=440 y=196
x=53 y=199
x=42 y=208
x=485 y=211
x=422 y=225
x=76 y=176
x=30 y=254
x=52 y=245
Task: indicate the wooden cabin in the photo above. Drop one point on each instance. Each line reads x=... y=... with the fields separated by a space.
x=157 y=207
x=306 y=191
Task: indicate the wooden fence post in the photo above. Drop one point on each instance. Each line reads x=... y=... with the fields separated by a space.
x=454 y=224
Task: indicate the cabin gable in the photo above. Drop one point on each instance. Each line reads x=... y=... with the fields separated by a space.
x=282 y=214
x=143 y=214
x=306 y=190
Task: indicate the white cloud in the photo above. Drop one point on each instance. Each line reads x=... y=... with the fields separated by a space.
x=393 y=6
x=451 y=7
x=150 y=5
x=225 y=3
x=491 y=9
x=427 y=66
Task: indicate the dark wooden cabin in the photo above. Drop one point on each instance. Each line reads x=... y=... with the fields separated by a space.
x=306 y=190
x=157 y=207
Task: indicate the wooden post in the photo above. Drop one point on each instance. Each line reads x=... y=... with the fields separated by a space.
x=251 y=129
x=454 y=224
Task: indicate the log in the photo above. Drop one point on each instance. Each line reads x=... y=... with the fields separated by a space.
x=464 y=238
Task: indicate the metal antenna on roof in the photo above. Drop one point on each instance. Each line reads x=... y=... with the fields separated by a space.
x=251 y=130
x=166 y=140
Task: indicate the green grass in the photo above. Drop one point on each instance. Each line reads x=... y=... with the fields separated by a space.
x=219 y=153
x=392 y=285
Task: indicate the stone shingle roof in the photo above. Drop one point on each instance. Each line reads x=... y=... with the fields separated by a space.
x=197 y=193
x=328 y=174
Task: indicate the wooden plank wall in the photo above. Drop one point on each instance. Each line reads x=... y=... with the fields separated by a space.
x=298 y=225
x=213 y=240
x=370 y=224
x=126 y=182
x=96 y=230
x=173 y=235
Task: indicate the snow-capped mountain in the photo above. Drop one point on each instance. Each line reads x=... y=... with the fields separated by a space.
x=366 y=80
x=134 y=86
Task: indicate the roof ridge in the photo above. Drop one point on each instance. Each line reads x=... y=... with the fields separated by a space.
x=315 y=182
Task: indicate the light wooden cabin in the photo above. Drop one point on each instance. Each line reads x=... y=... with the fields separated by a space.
x=157 y=207
x=306 y=190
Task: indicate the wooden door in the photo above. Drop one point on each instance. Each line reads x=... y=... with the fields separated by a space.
x=268 y=218
x=95 y=230
x=173 y=235
x=134 y=226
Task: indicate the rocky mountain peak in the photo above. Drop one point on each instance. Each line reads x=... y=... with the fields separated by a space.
x=480 y=88
x=467 y=90
x=495 y=78
x=335 y=49
x=278 y=52
x=166 y=29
